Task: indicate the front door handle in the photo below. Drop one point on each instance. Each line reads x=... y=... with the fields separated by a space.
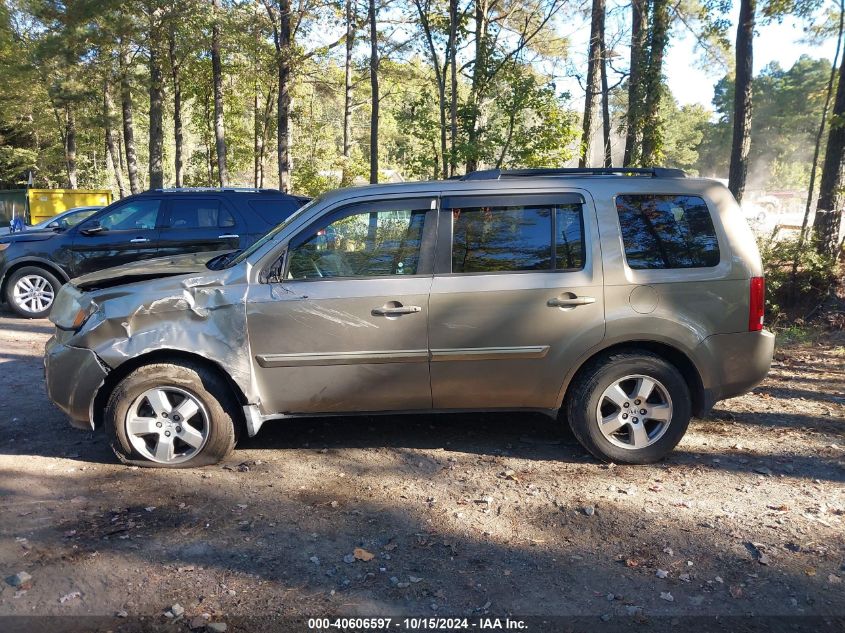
x=570 y=302
x=396 y=311
x=227 y=236
x=139 y=240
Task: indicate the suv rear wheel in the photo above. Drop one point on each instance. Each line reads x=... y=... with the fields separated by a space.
x=30 y=292
x=629 y=407
x=171 y=415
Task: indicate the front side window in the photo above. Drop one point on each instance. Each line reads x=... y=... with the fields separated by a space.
x=361 y=244
x=667 y=231
x=511 y=238
x=136 y=215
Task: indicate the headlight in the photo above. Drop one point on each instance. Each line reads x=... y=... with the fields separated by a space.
x=4 y=245
x=72 y=308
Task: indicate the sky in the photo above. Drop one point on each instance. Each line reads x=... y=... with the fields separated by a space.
x=688 y=81
x=773 y=42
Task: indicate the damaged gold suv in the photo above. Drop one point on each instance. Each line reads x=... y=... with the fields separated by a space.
x=620 y=301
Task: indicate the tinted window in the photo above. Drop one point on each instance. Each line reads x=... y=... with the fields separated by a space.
x=667 y=232
x=514 y=238
x=199 y=214
x=362 y=244
x=138 y=214
x=273 y=211
x=569 y=237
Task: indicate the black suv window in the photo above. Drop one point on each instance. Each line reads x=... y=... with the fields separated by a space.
x=199 y=214
x=517 y=237
x=138 y=214
x=362 y=243
x=667 y=231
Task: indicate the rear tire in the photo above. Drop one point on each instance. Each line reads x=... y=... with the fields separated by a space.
x=31 y=291
x=172 y=415
x=604 y=409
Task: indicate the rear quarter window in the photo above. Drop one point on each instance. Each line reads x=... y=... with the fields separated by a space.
x=667 y=231
x=275 y=210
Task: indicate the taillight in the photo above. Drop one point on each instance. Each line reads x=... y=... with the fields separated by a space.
x=756 y=304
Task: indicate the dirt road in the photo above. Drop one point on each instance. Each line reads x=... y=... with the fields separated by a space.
x=454 y=515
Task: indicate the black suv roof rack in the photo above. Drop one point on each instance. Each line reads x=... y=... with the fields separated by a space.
x=653 y=172
x=213 y=189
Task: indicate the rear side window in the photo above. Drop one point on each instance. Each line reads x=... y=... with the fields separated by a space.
x=199 y=214
x=274 y=211
x=667 y=231
x=516 y=238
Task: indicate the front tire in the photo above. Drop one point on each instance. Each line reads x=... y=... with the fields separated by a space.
x=31 y=291
x=629 y=407
x=172 y=415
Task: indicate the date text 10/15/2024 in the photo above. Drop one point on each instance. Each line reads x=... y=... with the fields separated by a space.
x=417 y=624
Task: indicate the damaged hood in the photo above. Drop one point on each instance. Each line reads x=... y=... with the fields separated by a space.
x=189 y=264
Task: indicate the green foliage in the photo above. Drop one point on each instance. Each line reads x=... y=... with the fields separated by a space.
x=787 y=296
x=787 y=110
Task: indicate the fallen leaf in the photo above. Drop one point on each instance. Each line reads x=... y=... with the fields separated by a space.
x=361 y=554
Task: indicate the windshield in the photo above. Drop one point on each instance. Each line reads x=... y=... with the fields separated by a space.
x=242 y=255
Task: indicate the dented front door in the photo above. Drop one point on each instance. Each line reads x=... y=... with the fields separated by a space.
x=343 y=327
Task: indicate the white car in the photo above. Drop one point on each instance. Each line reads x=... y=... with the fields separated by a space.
x=59 y=222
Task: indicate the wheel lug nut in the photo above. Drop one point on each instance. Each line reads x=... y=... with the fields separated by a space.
x=626 y=405
x=636 y=401
x=167 y=434
x=642 y=411
x=164 y=414
x=624 y=416
x=178 y=429
x=635 y=420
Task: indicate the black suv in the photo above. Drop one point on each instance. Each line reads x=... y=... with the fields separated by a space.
x=159 y=223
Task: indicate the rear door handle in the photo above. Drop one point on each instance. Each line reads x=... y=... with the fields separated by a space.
x=227 y=236
x=570 y=302
x=396 y=311
x=139 y=240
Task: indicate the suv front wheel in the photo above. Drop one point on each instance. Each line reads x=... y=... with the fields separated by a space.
x=629 y=407
x=30 y=292
x=171 y=415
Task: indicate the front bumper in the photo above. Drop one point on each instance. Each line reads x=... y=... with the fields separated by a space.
x=74 y=375
x=736 y=363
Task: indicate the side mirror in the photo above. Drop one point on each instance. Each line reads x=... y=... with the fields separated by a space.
x=54 y=226
x=92 y=228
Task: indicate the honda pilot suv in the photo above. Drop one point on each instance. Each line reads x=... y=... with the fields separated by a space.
x=622 y=301
x=35 y=263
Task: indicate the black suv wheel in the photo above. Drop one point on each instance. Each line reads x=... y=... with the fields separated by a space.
x=30 y=292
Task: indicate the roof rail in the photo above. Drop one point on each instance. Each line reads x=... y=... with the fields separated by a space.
x=200 y=189
x=653 y=172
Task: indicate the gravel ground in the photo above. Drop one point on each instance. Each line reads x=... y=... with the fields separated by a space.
x=470 y=515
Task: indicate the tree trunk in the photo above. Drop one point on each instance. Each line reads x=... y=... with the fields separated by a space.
x=452 y=58
x=639 y=30
x=346 y=178
x=439 y=75
x=829 y=211
x=283 y=53
x=156 y=108
x=112 y=140
x=479 y=67
x=178 y=138
x=819 y=136
x=652 y=130
x=605 y=103
x=70 y=146
x=128 y=125
x=374 y=88
x=741 y=142
x=592 y=87
x=217 y=75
